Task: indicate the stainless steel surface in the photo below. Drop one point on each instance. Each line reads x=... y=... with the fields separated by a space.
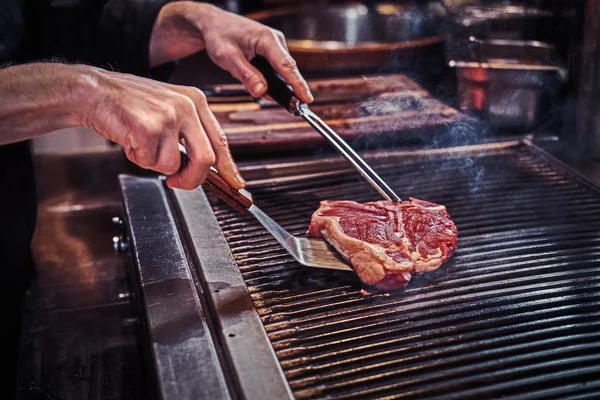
x=511 y=83
x=294 y=106
x=348 y=152
x=257 y=373
x=322 y=37
x=183 y=350
x=499 y=21
x=350 y=26
x=513 y=314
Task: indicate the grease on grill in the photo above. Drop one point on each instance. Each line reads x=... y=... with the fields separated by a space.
x=514 y=314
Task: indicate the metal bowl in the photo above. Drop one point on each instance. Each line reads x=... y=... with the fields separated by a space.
x=355 y=36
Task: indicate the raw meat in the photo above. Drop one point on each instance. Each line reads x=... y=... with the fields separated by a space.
x=387 y=242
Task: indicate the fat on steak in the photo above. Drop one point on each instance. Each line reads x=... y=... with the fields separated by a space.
x=387 y=242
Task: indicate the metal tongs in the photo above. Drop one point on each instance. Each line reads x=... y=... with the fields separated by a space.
x=283 y=95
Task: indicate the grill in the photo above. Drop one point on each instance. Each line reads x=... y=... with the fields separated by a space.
x=513 y=314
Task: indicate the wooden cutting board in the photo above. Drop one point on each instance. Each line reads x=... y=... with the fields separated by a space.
x=324 y=90
x=367 y=111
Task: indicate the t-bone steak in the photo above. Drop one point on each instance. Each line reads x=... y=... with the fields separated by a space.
x=387 y=242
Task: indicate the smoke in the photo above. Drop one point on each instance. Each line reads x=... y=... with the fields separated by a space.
x=411 y=116
x=465 y=132
x=395 y=104
x=413 y=119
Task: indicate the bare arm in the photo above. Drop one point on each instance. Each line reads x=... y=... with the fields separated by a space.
x=39 y=98
x=185 y=27
x=146 y=117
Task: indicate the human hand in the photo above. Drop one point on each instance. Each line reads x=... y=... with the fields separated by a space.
x=150 y=118
x=185 y=27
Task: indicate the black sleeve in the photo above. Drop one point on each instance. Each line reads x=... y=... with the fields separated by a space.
x=113 y=34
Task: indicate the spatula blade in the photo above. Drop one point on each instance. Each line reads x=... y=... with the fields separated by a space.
x=317 y=253
x=309 y=252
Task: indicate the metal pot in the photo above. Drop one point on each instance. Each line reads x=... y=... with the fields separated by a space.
x=362 y=37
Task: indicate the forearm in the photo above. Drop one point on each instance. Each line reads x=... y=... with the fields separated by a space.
x=148 y=118
x=40 y=98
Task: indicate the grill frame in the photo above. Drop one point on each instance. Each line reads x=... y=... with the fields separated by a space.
x=173 y=315
x=208 y=246
x=249 y=349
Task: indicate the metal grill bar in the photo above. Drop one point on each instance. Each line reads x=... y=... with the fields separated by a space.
x=513 y=314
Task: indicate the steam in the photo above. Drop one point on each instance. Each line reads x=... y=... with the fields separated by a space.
x=424 y=176
x=395 y=104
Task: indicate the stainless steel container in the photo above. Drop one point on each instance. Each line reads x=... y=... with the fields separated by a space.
x=509 y=83
x=358 y=36
x=495 y=22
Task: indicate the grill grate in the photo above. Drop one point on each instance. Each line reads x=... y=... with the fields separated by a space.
x=513 y=314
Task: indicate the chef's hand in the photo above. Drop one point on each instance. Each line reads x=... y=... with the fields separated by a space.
x=185 y=27
x=149 y=118
x=146 y=117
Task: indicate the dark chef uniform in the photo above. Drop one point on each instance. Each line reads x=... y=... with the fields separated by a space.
x=113 y=34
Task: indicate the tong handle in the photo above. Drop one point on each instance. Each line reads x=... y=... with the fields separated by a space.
x=279 y=91
x=241 y=200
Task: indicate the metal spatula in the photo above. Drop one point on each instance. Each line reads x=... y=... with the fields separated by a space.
x=309 y=252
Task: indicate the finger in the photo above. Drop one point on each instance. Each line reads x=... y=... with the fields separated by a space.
x=285 y=65
x=152 y=142
x=142 y=152
x=231 y=59
x=199 y=153
x=281 y=37
x=224 y=161
x=169 y=159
